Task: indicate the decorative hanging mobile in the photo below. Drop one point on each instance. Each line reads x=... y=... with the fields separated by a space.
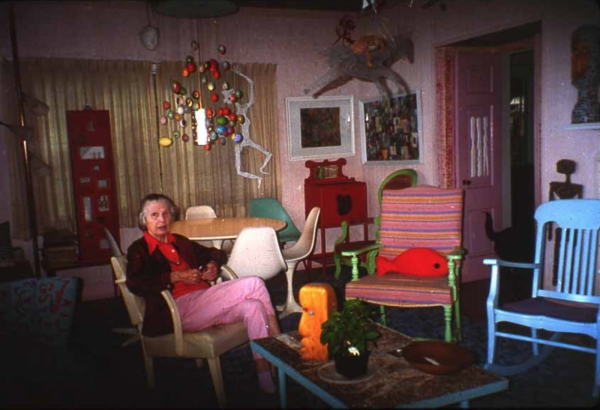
x=150 y=35
x=217 y=121
x=369 y=58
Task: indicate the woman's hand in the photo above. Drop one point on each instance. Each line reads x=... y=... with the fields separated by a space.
x=190 y=276
x=211 y=271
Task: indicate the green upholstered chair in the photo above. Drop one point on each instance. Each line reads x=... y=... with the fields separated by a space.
x=345 y=250
x=418 y=217
x=272 y=208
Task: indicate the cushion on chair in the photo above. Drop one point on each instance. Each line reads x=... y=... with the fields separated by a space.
x=209 y=343
x=395 y=289
x=406 y=224
x=555 y=309
x=415 y=261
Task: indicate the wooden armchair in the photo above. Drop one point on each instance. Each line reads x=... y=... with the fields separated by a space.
x=346 y=250
x=422 y=217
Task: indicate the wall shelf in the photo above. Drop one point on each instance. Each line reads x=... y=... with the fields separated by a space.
x=587 y=126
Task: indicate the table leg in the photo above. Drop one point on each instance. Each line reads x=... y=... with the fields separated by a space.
x=282 y=392
x=218 y=243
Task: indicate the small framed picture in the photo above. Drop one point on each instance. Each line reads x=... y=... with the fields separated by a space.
x=320 y=127
x=391 y=129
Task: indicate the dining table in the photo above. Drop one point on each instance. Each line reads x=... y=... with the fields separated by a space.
x=219 y=229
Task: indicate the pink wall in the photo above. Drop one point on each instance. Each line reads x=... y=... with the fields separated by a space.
x=293 y=39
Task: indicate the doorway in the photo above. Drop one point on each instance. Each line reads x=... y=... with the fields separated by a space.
x=519 y=164
x=517 y=136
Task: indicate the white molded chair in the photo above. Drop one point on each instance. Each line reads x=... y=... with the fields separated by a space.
x=256 y=252
x=297 y=253
x=133 y=332
x=205 y=211
x=565 y=296
x=200 y=212
x=208 y=344
x=114 y=246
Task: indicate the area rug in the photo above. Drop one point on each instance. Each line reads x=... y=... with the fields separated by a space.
x=95 y=371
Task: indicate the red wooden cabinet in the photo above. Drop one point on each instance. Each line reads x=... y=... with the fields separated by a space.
x=339 y=197
x=94 y=186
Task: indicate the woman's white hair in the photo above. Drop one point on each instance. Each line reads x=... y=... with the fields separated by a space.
x=155 y=198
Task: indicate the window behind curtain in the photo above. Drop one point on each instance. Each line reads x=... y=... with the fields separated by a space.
x=186 y=172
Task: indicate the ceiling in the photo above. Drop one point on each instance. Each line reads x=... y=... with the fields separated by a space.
x=214 y=8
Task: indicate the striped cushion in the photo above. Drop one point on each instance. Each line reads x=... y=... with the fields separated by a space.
x=395 y=289
x=420 y=217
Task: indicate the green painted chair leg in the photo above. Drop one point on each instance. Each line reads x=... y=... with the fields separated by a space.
x=448 y=320
x=338 y=265
x=457 y=327
x=371 y=264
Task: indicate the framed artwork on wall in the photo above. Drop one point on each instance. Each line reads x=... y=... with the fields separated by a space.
x=391 y=130
x=320 y=127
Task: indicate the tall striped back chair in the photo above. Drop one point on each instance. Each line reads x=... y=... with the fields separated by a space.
x=418 y=217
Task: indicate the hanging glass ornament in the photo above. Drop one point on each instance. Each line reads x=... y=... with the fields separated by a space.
x=165 y=141
x=176 y=87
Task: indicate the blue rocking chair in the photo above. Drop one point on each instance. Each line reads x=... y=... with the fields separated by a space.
x=565 y=295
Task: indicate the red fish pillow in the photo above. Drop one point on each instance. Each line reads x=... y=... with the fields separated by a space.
x=414 y=261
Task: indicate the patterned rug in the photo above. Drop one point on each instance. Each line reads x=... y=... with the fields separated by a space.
x=96 y=372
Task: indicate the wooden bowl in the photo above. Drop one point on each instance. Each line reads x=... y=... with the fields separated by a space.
x=435 y=357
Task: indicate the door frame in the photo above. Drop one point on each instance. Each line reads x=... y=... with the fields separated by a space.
x=445 y=106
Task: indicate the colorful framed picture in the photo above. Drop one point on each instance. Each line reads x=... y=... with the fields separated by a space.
x=320 y=127
x=391 y=129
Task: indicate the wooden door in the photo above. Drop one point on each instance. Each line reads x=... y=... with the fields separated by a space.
x=479 y=153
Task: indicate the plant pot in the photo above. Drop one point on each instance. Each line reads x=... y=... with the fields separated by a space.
x=352 y=366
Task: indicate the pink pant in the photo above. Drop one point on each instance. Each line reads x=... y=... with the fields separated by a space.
x=245 y=299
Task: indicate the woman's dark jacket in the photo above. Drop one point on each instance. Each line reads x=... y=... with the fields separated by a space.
x=148 y=275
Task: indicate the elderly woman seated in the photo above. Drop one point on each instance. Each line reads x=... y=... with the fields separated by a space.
x=161 y=260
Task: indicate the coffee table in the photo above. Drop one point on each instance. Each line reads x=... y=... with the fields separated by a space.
x=390 y=382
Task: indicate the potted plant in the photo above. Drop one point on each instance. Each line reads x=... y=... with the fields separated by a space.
x=347 y=334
